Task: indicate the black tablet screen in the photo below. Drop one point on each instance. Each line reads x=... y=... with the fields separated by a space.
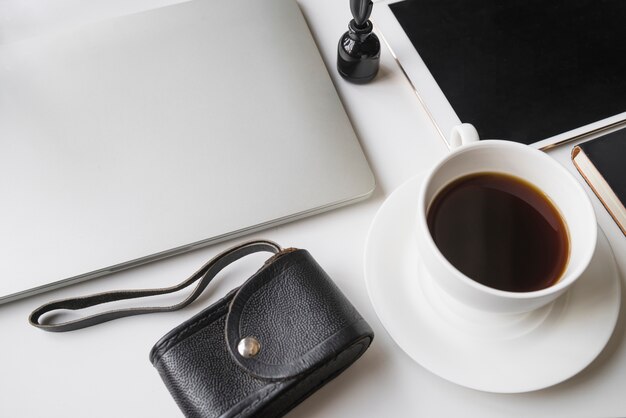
x=523 y=70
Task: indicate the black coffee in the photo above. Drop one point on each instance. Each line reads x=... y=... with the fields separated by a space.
x=500 y=231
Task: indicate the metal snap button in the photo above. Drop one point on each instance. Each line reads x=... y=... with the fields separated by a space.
x=249 y=347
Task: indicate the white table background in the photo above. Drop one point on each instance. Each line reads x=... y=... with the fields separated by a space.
x=104 y=371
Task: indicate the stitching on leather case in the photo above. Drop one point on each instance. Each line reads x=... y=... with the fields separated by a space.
x=300 y=361
x=257 y=401
x=325 y=366
x=180 y=335
x=323 y=382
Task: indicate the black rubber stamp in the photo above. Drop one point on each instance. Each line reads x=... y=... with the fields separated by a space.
x=358 y=53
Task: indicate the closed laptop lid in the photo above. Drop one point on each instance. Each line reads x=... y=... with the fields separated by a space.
x=150 y=134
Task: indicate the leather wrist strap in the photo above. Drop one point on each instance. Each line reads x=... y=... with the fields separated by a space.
x=204 y=276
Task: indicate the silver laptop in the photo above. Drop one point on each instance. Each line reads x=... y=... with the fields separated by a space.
x=153 y=134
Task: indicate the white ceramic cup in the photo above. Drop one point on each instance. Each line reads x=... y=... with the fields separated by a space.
x=473 y=156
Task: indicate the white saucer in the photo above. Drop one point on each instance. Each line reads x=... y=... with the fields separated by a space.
x=493 y=353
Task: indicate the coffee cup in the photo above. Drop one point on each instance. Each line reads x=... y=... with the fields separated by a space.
x=471 y=157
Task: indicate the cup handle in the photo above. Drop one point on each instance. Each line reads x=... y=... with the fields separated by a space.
x=463 y=134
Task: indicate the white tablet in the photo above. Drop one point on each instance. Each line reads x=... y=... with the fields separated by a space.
x=539 y=73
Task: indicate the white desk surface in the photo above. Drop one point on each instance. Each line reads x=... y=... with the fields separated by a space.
x=104 y=371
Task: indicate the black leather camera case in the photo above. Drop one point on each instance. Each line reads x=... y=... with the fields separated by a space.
x=303 y=333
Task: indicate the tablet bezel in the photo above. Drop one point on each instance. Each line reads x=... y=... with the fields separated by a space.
x=431 y=97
